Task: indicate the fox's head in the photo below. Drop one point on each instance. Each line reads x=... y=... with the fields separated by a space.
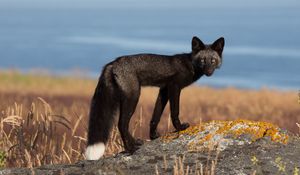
x=207 y=57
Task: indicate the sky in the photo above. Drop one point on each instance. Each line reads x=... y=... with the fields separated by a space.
x=146 y=3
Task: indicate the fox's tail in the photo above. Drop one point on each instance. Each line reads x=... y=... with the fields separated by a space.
x=104 y=104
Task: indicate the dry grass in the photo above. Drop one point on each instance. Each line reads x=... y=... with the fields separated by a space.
x=39 y=136
x=44 y=119
x=43 y=84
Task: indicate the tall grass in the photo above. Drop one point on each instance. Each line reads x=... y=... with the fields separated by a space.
x=43 y=120
x=40 y=136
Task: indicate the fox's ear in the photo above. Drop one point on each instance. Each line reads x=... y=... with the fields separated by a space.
x=197 y=44
x=218 y=45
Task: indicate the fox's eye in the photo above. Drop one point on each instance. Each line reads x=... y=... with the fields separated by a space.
x=213 y=61
x=202 y=61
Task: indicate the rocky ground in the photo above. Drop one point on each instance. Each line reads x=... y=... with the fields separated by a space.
x=217 y=147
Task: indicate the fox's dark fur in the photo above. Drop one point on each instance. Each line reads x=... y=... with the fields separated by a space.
x=119 y=87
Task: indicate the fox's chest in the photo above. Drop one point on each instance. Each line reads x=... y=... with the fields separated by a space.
x=187 y=78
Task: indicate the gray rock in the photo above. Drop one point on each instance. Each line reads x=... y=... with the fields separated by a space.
x=199 y=151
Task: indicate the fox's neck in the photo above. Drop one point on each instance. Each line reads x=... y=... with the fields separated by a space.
x=184 y=55
x=197 y=70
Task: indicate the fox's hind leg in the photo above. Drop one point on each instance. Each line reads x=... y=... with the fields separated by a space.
x=160 y=104
x=128 y=103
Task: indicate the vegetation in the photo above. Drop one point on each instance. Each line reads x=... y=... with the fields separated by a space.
x=43 y=119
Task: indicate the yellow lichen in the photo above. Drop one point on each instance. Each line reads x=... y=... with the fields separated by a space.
x=254 y=160
x=280 y=164
x=191 y=130
x=296 y=171
x=236 y=128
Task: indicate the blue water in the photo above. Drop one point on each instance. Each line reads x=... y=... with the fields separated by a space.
x=262 y=38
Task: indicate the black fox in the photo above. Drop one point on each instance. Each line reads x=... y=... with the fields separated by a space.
x=119 y=87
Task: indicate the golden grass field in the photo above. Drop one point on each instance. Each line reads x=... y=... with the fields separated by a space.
x=44 y=119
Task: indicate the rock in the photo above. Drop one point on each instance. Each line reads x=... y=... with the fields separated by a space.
x=222 y=147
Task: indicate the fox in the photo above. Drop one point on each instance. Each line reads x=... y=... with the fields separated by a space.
x=119 y=86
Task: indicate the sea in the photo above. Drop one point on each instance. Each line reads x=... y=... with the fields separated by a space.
x=262 y=38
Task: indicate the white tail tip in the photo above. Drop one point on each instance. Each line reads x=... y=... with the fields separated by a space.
x=95 y=151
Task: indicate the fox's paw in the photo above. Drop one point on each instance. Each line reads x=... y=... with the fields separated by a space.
x=138 y=142
x=184 y=126
x=154 y=135
x=132 y=149
x=133 y=145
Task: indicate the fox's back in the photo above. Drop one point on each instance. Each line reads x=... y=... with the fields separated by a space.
x=148 y=69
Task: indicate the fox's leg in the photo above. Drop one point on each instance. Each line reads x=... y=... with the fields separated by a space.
x=129 y=100
x=174 y=96
x=160 y=104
